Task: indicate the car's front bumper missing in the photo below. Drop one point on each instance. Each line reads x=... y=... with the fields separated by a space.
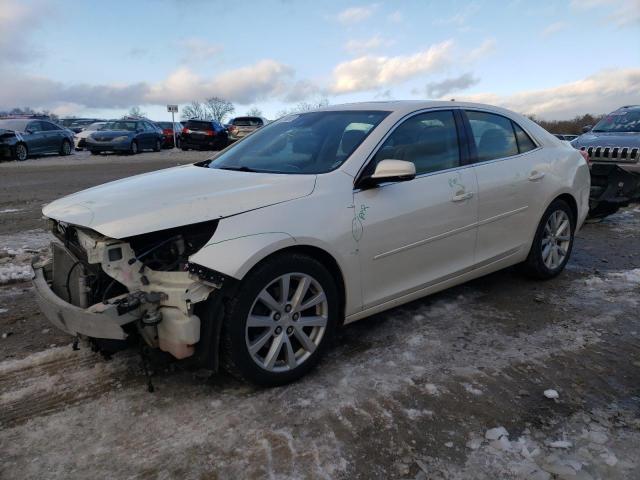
x=98 y=321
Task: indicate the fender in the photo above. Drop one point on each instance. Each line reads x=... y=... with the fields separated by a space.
x=236 y=256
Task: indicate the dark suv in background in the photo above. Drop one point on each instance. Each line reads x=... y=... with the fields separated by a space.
x=22 y=137
x=129 y=135
x=76 y=125
x=613 y=147
x=204 y=135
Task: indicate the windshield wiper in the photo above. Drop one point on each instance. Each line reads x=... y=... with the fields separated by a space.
x=243 y=168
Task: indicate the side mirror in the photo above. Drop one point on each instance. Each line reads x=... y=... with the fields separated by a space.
x=587 y=128
x=390 y=171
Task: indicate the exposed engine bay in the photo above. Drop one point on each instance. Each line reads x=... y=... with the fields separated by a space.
x=110 y=290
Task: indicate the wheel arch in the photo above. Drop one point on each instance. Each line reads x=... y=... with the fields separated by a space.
x=571 y=201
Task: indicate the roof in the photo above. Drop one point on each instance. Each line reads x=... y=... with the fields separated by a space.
x=408 y=106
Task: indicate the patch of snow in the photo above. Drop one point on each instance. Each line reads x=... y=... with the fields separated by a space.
x=552 y=394
x=560 y=444
x=15 y=273
x=471 y=389
x=3 y=310
x=11 y=210
x=496 y=433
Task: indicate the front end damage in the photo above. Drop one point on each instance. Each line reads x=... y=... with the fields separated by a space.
x=615 y=179
x=112 y=291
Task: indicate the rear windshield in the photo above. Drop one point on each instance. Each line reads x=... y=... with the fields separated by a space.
x=306 y=143
x=164 y=124
x=247 y=122
x=121 y=125
x=198 y=125
x=18 y=125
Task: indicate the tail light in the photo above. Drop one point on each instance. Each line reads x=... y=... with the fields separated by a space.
x=233 y=128
x=186 y=130
x=211 y=133
x=167 y=131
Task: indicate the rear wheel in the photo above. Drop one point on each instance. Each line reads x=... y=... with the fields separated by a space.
x=553 y=242
x=279 y=324
x=158 y=146
x=20 y=152
x=65 y=149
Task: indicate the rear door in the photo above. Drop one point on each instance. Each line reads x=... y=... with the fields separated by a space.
x=510 y=170
x=416 y=234
x=54 y=136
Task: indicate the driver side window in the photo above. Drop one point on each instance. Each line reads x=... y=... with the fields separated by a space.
x=428 y=140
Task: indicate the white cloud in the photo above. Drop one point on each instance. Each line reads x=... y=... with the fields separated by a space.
x=372 y=72
x=487 y=47
x=266 y=79
x=601 y=92
x=197 y=50
x=461 y=18
x=360 y=46
x=553 y=29
x=620 y=12
x=356 y=14
x=449 y=85
x=396 y=17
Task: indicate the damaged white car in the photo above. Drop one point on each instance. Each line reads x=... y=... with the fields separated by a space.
x=254 y=258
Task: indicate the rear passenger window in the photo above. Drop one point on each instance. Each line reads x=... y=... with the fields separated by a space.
x=524 y=141
x=493 y=135
x=429 y=140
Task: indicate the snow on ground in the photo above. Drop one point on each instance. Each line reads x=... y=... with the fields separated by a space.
x=16 y=252
x=11 y=210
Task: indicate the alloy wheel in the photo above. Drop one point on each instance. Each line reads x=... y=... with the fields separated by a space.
x=556 y=239
x=286 y=322
x=21 y=152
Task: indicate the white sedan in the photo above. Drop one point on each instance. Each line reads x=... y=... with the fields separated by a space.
x=254 y=258
x=80 y=138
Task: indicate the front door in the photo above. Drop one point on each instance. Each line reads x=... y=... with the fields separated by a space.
x=417 y=233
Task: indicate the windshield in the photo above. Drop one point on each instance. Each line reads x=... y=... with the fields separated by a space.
x=305 y=143
x=620 y=121
x=96 y=126
x=120 y=125
x=17 y=125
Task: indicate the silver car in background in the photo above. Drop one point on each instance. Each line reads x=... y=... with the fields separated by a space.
x=240 y=127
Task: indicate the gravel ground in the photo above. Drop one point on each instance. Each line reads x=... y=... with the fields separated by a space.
x=450 y=386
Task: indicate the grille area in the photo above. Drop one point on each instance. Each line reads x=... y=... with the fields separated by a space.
x=613 y=154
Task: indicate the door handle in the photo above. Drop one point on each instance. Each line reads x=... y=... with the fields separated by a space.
x=533 y=176
x=461 y=197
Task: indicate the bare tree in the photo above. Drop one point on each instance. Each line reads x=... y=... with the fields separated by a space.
x=195 y=110
x=305 y=106
x=254 y=112
x=136 y=112
x=218 y=108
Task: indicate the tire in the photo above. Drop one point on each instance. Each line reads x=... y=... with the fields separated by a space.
x=178 y=143
x=20 y=152
x=551 y=237
x=279 y=326
x=158 y=146
x=65 y=148
x=184 y=149
x=133 y=148
x=94 y=152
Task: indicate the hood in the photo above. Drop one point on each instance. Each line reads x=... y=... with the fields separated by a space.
x=174 y=197
x=608 y=139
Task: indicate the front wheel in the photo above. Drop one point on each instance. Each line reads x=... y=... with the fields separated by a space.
x=553 y=242
x=279 y=324
x=20 y=152
x=133 y=149
x=65 y=149
x=158 y=146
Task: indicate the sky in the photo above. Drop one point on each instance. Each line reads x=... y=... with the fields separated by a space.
x=552 y=59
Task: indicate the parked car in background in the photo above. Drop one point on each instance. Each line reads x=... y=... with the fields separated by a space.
x=240 y=127
x=81 y=137
x=318 y=219
x=613 y=147
x=167 y=133
x=204 y=135
x=126 y=136
x=76 y=125
x=23 y=137
x=567 y=137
